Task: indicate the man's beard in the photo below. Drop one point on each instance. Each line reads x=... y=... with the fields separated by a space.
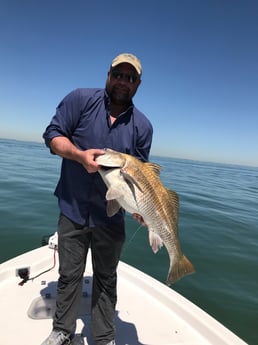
x=119 y=97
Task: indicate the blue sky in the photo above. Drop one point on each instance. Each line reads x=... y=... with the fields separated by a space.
x=200 y=68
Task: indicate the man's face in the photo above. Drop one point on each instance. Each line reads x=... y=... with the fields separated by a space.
x=122 y=83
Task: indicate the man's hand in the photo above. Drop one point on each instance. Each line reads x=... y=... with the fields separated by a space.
x=87 y=159
x=63 y=147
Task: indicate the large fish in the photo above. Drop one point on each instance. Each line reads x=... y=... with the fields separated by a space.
x=136 y=187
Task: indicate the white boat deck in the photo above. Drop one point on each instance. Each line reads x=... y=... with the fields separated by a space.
x=148 y=312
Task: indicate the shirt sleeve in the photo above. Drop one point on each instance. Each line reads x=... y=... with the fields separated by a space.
x=65 y=119
x=144 y=133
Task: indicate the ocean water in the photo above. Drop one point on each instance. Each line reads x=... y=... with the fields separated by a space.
x=218 y=227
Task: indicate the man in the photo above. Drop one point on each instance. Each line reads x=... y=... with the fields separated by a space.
x=86 y=122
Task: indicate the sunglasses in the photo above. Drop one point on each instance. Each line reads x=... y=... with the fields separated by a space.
x=129 y=78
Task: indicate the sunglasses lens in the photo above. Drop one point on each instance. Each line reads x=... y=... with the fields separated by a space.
x=117 y=75
x=129 y=78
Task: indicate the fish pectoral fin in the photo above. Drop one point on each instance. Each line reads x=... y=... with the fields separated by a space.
x=129 y=178
x=112 y=204
x=112 y=207
x=155 y=241
x=113 y=193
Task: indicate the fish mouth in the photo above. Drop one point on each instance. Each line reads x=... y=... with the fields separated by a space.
x=102 y=167
x=106 y=168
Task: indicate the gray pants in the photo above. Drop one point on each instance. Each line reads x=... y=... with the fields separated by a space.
x=106 y=243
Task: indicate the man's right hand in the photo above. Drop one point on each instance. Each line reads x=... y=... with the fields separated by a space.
x=63 y=147
x=88 y=159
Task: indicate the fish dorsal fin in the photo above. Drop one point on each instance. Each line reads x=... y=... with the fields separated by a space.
x=174 y=197
x=173 y=205
x=154 y=167
x=112 y=207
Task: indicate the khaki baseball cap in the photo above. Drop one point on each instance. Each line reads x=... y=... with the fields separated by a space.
x=128 y=58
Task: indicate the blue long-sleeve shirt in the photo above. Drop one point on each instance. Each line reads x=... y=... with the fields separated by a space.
x=83 y=117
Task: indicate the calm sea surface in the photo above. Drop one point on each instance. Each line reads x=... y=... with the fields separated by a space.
x=218 y=226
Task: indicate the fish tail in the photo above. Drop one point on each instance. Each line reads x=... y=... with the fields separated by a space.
x=179 y=269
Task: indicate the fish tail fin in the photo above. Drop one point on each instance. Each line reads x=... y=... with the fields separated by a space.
x=181 y=267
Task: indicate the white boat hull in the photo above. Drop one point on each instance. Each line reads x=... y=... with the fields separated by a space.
x=148 y=312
